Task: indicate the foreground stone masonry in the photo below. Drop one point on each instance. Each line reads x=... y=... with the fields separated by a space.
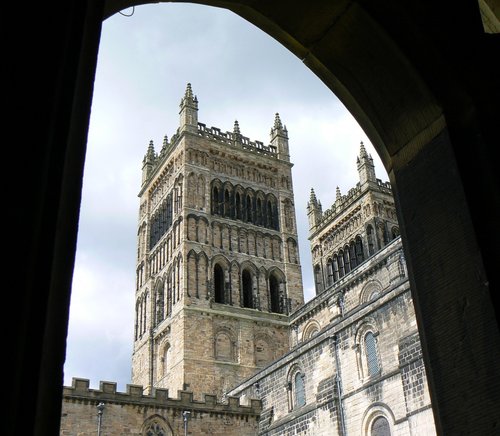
x=220 y=313
x=133 y=413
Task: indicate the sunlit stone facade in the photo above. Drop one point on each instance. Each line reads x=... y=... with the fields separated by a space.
x=223 y=341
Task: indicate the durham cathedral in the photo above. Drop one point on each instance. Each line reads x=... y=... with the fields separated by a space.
x=224 y=343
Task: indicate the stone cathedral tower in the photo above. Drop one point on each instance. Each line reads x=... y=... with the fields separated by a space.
x=218 y=269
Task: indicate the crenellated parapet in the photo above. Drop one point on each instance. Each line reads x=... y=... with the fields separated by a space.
x=80 y=391
x=276 y=149
x=236 y=139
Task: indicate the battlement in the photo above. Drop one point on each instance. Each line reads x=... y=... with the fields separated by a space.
x=384 y=186
x=107 y=393
x=236 y=140
x=343 y=201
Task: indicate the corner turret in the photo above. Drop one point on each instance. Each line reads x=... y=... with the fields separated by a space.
x=148 y=162
x=314 y=210
x=279 y=139
x=189 y=111
x=366 y=168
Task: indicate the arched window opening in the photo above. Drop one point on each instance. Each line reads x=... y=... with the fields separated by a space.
x=155 y=428
x=317 y=279
x=347 y=262
x=335 y=268
x=276 y=225
x=223 y=347
x=218 y=284
x=380 y=427
x=269 y=223
x=165 y=360
x=341 y=263
x=329 y=272
x=370 y=239
x=247 y=286
x=359 y=250
x=395 y=232
x=215 y=201
x=274 y=294
x=237 y=206
x=352 y=255
x=159 y=303
x=300 y=390
x=258 y=215
x=227 y=204
x=310 y=330
x=249 y=209
x=371 y=354
x=263 y=352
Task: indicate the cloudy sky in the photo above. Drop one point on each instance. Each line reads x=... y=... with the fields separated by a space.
x=238 y=73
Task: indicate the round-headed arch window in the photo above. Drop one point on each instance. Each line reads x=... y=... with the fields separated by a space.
x=380 y=427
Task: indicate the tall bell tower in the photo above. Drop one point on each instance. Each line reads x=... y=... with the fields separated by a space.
x=218 y=268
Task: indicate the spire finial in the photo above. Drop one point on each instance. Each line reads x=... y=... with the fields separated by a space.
x=277 y=121
x=189 y=91
x=312 y=197
x=236 y=128
x=362 y=150
x=150 y=153
x=338 y=194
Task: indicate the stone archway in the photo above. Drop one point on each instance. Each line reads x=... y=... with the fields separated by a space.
x=417 y=78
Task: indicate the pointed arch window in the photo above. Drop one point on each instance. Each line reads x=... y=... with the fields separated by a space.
x=155 y=429
x=156 y=426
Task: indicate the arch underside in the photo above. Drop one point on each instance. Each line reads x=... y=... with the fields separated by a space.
x=418 y=78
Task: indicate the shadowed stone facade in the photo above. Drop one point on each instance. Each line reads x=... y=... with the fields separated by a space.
x=220 y=315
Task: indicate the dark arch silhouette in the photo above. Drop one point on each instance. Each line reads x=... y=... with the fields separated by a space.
x=430 y=111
